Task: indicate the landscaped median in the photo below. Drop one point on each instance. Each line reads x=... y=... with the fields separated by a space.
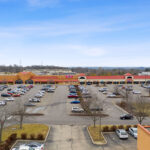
x=98 y=138
x=28 y=132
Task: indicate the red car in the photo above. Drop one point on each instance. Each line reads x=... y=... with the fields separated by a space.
x=16 y=95
x=72 y=96
x=10 y=93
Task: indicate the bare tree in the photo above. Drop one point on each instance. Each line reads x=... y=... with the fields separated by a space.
x=116 y=90
x=127 y=97
x=94 y=106
x=140 y=109
x=20 y=110
x=5 y=113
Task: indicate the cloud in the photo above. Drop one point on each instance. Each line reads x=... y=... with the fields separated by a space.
x=43 y=3
x=54 y=29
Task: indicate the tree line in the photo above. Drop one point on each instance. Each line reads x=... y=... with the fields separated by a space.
x=95 y=71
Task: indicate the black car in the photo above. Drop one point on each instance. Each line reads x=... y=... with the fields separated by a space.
x=9 y=89
x=5 y=95
x=5 y=86
x=126 y=116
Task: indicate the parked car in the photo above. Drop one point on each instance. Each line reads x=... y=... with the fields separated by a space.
x=133 y=132
x=77 y=109
x=16 y=95
x=9 y=99
x=51 y=90
x=36 y=146
x=5 y=86
x=72 y=96
x=5 y=95
x=126 y=116
x=105 y=92
x=34 y=100
x=136 y=92
x=75 y=102
x=11 y=92
x=25 y=147
x=9 y=89
x=45 y=88
x=111 y=95
x=38 y=95
x=122 y=134
x=103 y=89
x=2 y=103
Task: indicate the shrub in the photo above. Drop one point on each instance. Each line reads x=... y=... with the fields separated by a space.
x=32 y=136
x=23 y=136
x=9 y=141
x=113 y=128
x=120 y=127
x=106 y=129
x=13 y=137
x=2 y=146
x=6 y=146
x=127 y=127
x=40 y=137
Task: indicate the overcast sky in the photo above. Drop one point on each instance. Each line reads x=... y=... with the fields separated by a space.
x=75 y=32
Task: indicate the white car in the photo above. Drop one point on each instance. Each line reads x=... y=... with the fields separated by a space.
x=133 y=132
x=122 y=134
x=9 y=99
x=38 y=95
x=111 y=95
x=103 y=89
x=36 y=146
x=52 y=88
x=42 y=91
x=136 y=92
x=105 y=92
x=77 y=109
x=2 y=103
x=25 y=147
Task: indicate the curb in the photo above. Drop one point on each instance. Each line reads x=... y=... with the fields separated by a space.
x=96 y=143
x=120 y=108
x=49 y=127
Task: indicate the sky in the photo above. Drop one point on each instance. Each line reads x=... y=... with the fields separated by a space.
x=75 y=33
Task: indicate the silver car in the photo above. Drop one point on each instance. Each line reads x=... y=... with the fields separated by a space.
x=133 y=132
x=122 y=134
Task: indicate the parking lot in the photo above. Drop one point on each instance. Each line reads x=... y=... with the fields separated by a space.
x=69 y=132
x=56 y=107
x=76 y=137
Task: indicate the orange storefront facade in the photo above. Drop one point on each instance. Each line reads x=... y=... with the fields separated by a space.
x=31 y=78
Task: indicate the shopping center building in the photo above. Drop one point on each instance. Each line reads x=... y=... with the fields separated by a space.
x=31 y=78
